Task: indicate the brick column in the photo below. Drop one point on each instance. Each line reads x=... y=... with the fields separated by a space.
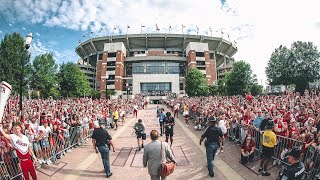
x=192 y=59
x=211 y=73
x=102 y=70
x=119 y=71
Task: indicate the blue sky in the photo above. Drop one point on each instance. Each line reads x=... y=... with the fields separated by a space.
x=258 y=27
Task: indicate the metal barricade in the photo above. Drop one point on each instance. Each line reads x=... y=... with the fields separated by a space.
x=310 y=157
x=9 y=165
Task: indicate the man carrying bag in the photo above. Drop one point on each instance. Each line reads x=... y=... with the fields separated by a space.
x=155 y=157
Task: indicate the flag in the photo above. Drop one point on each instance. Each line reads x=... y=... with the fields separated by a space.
x=157 y=27
x=222 y=32
x=142 y=25
x=183 y=26
x=197 y=28
x=114 y=28
x=128 y=26
x=169 y=26
x=228 y=36
x=210 y=29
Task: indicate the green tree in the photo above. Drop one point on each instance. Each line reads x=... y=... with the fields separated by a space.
x=240 y=78
x=298 y=65
x=278 y=70
x=196 y=83
x=305 y=63
x=254 y=86
x=73 y=82
x=44 y=77
x=13 y=56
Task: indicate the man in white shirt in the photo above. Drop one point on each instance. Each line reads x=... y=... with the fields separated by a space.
x=23 y=149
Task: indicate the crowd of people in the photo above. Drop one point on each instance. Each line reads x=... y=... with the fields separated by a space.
x=54 y=127
x=296 y=119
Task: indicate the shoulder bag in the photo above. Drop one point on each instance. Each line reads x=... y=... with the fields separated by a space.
x=166 y=168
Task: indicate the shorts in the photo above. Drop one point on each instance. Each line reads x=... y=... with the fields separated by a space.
x=115 y=120
x=186 y=116
x=45 y=143
x=36 y=146
x=267 y=152
x=86 y=126
x=169 y=132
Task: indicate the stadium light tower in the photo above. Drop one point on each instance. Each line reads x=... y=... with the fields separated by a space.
x=27 y=44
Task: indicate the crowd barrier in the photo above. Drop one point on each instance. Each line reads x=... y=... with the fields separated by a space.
x=46 y=150
x=310 y=157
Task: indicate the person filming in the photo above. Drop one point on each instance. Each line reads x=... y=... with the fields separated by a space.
x=296 y=169
x=139 y=129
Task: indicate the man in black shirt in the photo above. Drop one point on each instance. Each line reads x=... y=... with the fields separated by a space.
x=168 y=125
x=296 y=169
x=213 y=135
x=100 y=140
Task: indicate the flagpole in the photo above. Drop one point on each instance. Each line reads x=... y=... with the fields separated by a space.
x=169 y=28
x=127 y=30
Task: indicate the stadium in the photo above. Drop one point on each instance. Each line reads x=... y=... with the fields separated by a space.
x=154 y=64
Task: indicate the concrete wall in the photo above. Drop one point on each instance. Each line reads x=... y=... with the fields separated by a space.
x=148 y=78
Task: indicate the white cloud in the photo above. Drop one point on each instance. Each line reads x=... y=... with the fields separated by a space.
x=258 y=26
x=37 y=34
x=38 y=48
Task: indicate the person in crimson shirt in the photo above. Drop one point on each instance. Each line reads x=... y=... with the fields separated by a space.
x=247 y=149
x=249 y=97
x=23 y=149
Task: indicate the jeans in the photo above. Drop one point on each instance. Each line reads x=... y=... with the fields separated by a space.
x=104 y=151
x=211 y=150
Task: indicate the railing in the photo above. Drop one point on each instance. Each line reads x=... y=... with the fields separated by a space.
x=60 y=143
x=310 y=157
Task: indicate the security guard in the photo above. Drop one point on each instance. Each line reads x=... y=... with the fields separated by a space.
x=213 y=134
x=269 y=141
x=296 y=169
x=101 y=139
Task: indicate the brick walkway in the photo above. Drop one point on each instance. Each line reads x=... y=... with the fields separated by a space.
x=83 y=163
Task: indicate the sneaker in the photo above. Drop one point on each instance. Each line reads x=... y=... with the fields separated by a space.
x=43 y=161
x=279 y=162
x=221 y=151
x=265 y=174
x=48 y=162
x=274 y=162
x=217 y=153
x=260 y=169
x=109 y=175
x=139 y=148
x=40 y=162
x=142 y=146
x=211 y=175
x=115 y=129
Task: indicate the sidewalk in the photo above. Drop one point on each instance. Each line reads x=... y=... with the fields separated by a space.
x=126 y=162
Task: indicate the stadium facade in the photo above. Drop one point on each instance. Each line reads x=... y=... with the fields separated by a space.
x=153 y=63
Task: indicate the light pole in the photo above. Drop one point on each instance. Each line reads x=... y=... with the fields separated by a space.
x=127 y=87
x=107 y=77
x=27 y=44
x=128 y=91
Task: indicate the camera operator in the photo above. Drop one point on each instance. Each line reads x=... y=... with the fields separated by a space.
x=296 y=169
x=139 y=130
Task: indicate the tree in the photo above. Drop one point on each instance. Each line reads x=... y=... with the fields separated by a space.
x=196 y=83
x=239 y=80
x=278 y=70
x=12 y=55
x=73 y=82
x=44 y=77
x=305 y=62
x=254 y=86
x=298 y=65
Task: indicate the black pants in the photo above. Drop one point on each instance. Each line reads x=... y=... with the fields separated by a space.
x=161 y=127
x=246 y=159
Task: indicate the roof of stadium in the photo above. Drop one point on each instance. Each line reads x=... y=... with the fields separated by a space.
x=141 y=42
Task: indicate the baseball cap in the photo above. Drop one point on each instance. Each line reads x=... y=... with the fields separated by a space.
x=101 y=121
x=212 y=119
x=296 y=153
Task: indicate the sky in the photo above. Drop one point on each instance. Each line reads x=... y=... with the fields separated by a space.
x=257 y=26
